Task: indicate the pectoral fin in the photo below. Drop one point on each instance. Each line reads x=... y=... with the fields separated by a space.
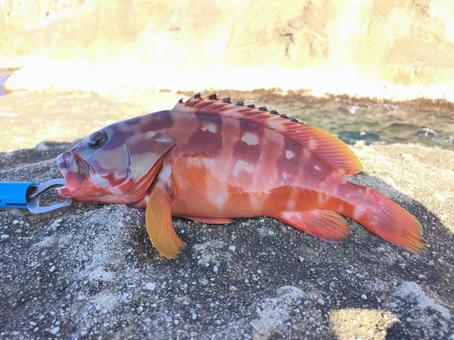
x=324 y=224
x=159 y=224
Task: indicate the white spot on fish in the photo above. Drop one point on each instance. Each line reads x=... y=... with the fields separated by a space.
x=358 y=211
x=316 y=167
x=218 y=198
x=287 y=214
x=100 y=181
x=343 y=180
x=116 y=191
x=208 y=162
x=163 y=139
x=291 y=204
x=210 y=127
x=285 y=175
x=242 y=165
x=200 y=162
x=194 y=161
x=165 y=172
x=306 y=153
x=289 y=154
x=312 y=144
x=250 y=139
x=275 y=123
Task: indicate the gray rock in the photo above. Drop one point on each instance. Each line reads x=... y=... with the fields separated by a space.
x=97 y=275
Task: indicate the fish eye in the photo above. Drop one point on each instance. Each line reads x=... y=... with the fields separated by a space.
x=97 y=139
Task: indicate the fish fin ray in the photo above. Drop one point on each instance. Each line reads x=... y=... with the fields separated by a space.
x=209 y=220
x=329 y=149
x=388 y=220
x=160 y=230
x=324 y=224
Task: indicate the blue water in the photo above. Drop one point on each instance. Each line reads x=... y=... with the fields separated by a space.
x=361 y=120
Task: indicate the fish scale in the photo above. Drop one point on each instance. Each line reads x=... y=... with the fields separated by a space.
x=211 y=160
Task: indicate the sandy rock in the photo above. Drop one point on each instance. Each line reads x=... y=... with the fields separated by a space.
x=425 y=174
x=97 y=274
x=30 y=117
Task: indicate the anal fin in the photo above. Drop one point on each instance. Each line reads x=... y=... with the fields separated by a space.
x=324 y=224
x=209 y=220
x=158 y=218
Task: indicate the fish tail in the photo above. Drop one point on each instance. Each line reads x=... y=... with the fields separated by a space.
x=383 y=217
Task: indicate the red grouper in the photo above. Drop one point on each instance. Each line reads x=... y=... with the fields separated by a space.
x=209 y=160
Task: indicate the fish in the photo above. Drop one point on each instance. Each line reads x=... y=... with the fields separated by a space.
x=211 y=160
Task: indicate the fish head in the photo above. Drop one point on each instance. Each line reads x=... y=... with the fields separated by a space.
x=116 y=164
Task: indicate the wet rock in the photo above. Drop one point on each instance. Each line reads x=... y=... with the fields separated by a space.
x=352 y=137
x=427 y=133
x=96 y=274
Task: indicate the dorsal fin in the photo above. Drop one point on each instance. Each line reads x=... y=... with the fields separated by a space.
x=320 y=143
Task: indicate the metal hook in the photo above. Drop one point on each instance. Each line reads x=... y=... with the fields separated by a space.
x=33 y=197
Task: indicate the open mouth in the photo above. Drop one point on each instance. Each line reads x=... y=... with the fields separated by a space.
x=75 y=173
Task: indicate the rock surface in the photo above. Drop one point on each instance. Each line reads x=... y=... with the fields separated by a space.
x=89 y=270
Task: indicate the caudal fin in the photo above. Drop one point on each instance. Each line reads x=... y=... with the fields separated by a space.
x=388 y=220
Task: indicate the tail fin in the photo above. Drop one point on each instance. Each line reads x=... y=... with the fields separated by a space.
x=387 y=219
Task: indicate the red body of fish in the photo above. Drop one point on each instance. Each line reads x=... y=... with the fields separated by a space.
x=210 y=161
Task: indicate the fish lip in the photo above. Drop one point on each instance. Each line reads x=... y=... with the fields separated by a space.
x=63 y=192
x=74 y=171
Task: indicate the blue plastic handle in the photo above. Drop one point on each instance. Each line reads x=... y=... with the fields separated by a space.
x=14 y=194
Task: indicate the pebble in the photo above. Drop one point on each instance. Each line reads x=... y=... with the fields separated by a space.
x=364 y=296
x=54 y=330
x=232 y=248
x=149 y=286
x=4 y=236
x=320 y=301
x=52 y=269
x=203 y=282
x=42 y=146
x=215 y=269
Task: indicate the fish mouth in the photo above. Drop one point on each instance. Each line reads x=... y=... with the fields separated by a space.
x=76 y=173
x=84 y=184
